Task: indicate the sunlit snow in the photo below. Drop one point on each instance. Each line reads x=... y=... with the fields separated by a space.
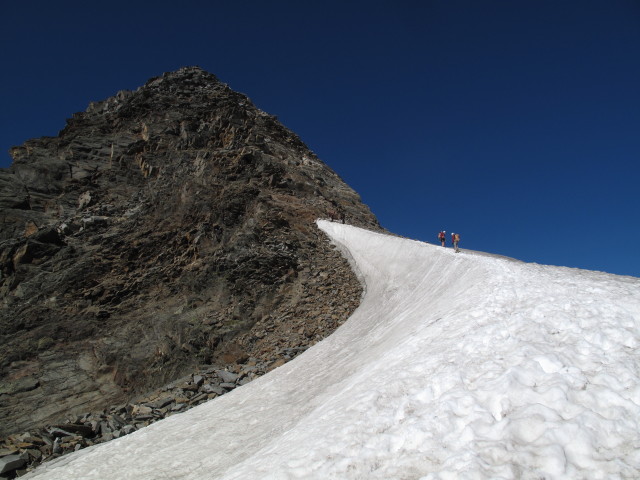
x=454 y=366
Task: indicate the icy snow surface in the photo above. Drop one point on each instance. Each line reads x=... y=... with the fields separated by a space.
x=454 y=366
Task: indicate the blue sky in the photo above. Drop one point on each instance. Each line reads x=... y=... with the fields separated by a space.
x=516 y=122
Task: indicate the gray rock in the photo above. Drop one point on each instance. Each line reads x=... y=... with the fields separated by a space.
x=189 y=387
x=145 y=409
x=198 y=398
x=84 y=430
x=34 y=454
x=127 y=429
x=11 y=463
x=116 y=422
x=208 y=388
x=142 y=418
x=95 y=426
x=227 y=377
x=160 y=403
x=56 y=446
x=57 y=432
x=24 y=384
x=84 y=200
x=105 y=428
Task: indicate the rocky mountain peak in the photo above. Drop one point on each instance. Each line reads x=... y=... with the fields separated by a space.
x=184 y=84
x=162 y=229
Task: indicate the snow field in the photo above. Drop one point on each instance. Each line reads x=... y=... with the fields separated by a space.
x=457 y=366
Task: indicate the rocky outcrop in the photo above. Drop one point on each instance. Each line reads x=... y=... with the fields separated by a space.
x=20 y=453
x=162 y=229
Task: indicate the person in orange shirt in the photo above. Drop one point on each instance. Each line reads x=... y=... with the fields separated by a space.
x=455 y=239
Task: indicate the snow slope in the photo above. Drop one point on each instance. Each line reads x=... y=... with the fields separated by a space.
x=454 y=366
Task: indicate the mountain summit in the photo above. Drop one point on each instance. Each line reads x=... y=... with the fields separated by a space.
x=163 y=228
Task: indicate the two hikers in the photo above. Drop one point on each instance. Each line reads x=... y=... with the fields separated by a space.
x=455 y=238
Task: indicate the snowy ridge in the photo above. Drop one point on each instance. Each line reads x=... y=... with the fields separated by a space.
x=454 y=366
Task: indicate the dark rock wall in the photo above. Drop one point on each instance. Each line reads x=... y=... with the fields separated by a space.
x=162 y=229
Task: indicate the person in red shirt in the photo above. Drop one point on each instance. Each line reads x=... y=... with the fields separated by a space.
x=441 y=237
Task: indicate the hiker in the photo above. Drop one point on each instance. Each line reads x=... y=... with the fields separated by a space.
x=441 y=237
x=455 y=238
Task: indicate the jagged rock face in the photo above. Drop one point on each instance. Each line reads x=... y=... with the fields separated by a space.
x=163 y=228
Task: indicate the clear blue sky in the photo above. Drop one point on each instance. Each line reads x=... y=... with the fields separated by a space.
x=515 y=122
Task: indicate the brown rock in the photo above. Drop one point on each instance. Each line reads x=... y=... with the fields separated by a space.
x=188 y=237
x=277 y=363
